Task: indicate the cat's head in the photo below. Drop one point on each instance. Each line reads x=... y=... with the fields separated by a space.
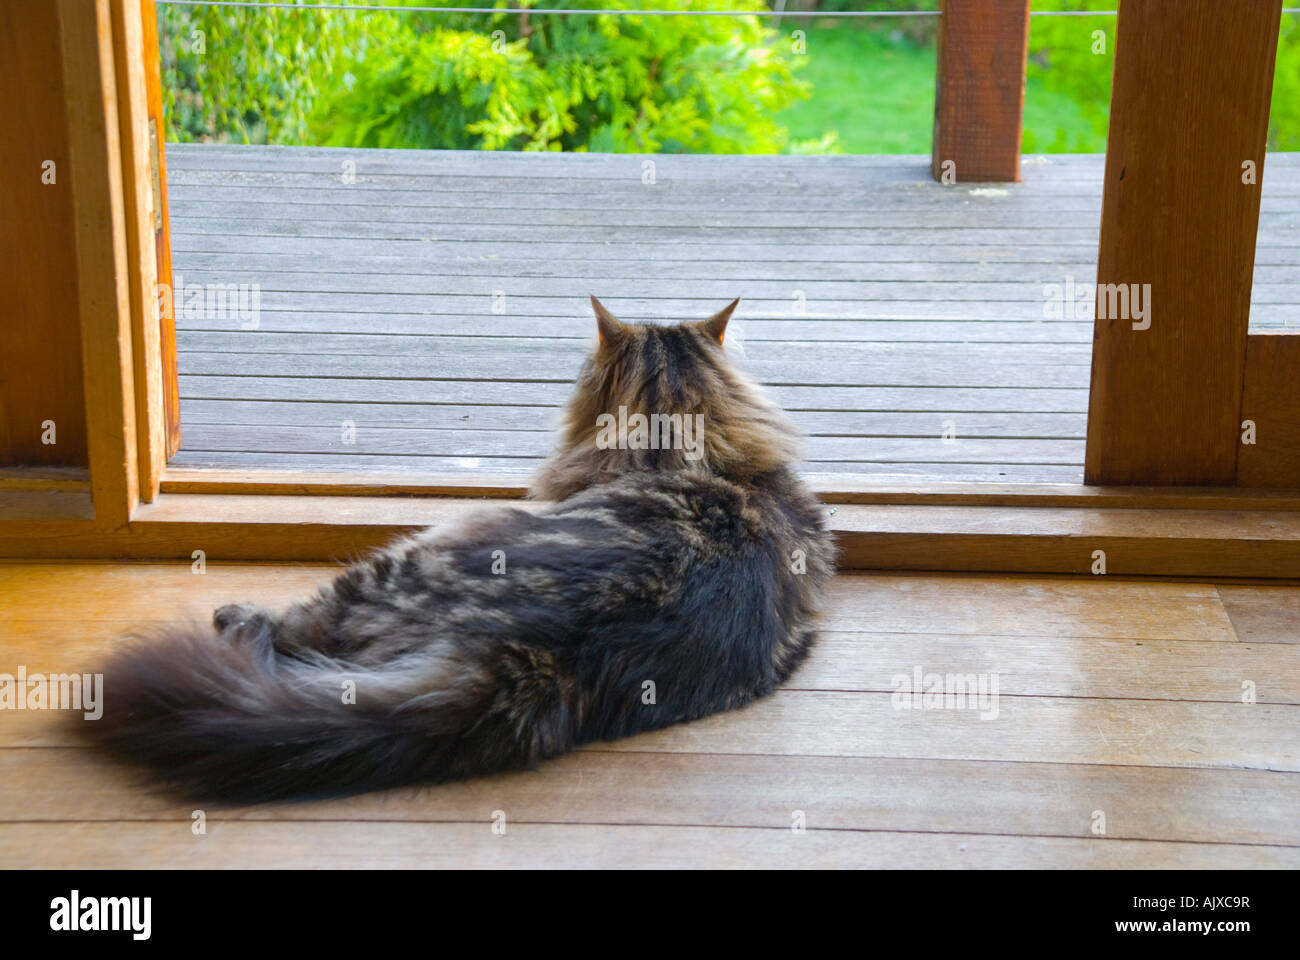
x=659 y=397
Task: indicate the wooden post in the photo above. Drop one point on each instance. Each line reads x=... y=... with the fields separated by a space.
x=979 y=90
x=42 y=411
x=1269 y=455
x=1188 y=120
x=162 y=225
x=103 y=265
x=80 y=375
x=140 y=199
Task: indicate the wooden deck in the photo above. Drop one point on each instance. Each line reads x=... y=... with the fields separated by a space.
x=1123 y=698
x=437 y=304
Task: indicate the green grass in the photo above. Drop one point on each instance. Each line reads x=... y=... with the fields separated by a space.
x=877 y=94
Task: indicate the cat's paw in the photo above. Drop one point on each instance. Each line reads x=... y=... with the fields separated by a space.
x=234 y=615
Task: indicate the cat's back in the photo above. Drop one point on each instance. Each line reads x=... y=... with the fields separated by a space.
x=728 y=579
x=702 y=508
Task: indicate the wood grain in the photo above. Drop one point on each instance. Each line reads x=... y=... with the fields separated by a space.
x=979 y=91
x=1271 y=401
x=831 y=488
x=1262 y=614
x=444 y=171
x=411 y=846
x=102 y=263
x=1200 y=543
x=963 y=605
x=40 y=365
x=139 y=204
x=920 y=299
x=955 y=604
x=364 y=436
x=1118 y=697
x=1170 y=668
x=516 y=471
x=1040 y=729
x=162 y=219
x=1165 y=398
x=845 y=793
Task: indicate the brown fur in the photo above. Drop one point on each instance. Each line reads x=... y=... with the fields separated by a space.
x=746 y=435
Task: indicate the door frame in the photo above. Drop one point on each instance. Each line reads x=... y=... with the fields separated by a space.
x=121 y=503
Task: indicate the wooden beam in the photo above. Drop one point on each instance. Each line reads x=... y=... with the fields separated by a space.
x=141 y=241
x=979 y=91
x=1270 y=412
x=73 y=479
x=1070 y=540
x=102 y=260
x=361 y=484
x=830 y=488
x=162 y=225
x=42 y=411
x=1188 y=121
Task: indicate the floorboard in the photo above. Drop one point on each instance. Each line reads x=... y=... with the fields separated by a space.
x=228 y=845
x=1124 y=699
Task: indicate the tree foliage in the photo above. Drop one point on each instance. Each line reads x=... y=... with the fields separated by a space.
x=520 y=81
x=1066 y=55
x=503 y=80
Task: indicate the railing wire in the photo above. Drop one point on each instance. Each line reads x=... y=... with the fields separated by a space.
x=555 y=11
x=578 y=12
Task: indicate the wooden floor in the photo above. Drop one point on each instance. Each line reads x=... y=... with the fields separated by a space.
x=1117 y=699
x=435 y=302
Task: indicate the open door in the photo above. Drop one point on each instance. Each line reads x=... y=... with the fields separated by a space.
x=161 y=224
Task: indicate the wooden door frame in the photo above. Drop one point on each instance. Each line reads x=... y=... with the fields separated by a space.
x=162 y=239
x=123 y=505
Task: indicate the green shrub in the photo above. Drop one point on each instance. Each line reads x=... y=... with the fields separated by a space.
x=491 y=81
x=1061 y=58
x=616 y=82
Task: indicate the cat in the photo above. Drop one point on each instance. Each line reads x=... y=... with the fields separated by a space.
x=661 y=582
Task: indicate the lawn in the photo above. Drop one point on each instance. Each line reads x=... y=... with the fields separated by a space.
x=876 y=91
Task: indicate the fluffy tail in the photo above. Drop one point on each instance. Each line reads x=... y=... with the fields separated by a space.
x=227 y=718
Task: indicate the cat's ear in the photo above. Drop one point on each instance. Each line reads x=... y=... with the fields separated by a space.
x=607 y=325
x=716 y=325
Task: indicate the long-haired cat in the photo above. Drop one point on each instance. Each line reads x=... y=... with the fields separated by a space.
x=677 y=573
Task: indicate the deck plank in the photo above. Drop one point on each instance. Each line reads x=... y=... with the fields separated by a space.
x=1263 y=614
x=251 y=844
x=483 y=417
x=446 y=291
x=574 y=252
x=882 y=793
